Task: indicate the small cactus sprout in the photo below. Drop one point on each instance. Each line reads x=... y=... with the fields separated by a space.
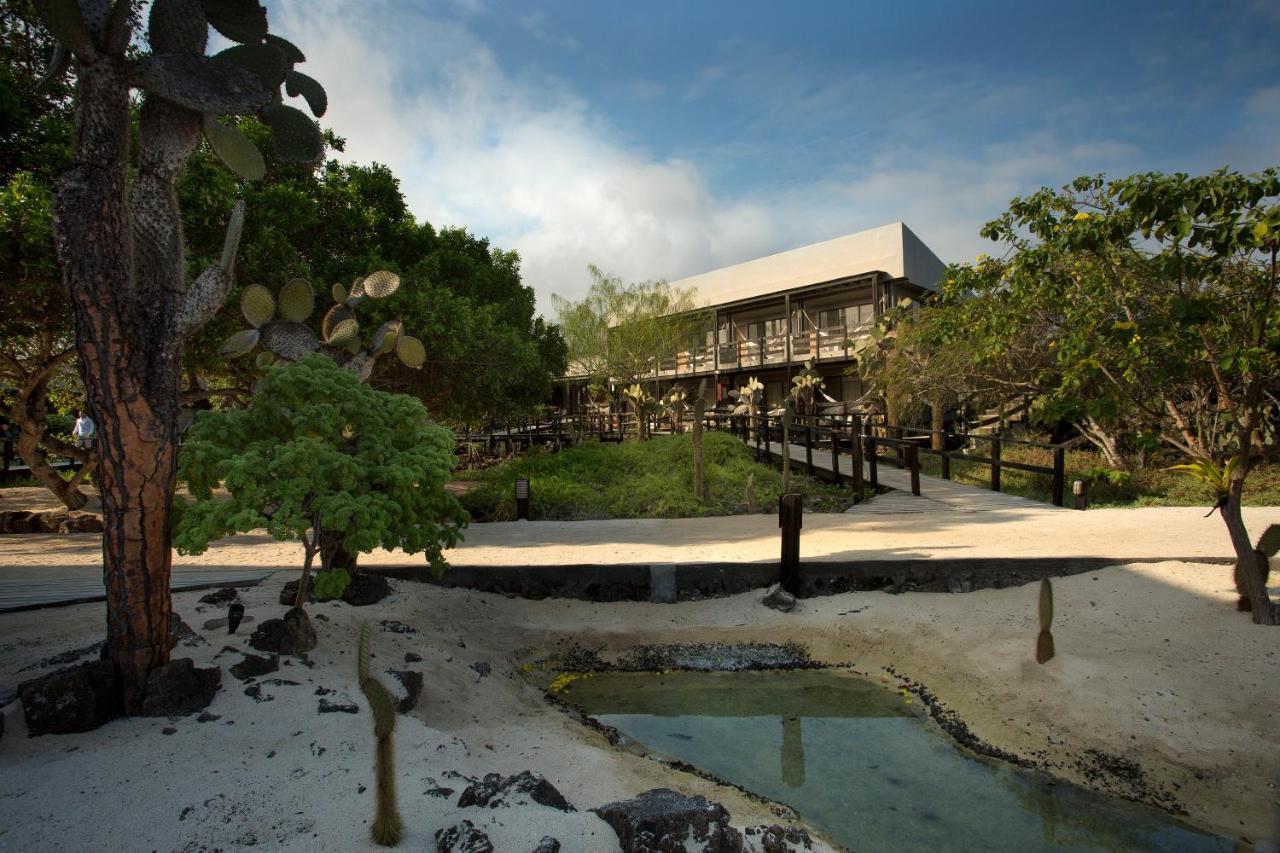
x=239 y=344
x=387 y=828
x=1044 y=642
x=264 y=360
x=258 y=305
x=339 y=293
x=297 y=301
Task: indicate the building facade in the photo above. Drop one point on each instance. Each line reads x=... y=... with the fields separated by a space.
x=768 y=316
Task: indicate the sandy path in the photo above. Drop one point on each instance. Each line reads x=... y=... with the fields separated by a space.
x=1173 y=532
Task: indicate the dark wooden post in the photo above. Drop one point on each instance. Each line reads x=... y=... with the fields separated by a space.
x=995 y=463
x=790 y=512
x=835 y=456
x=522 y=499
x=897 y=448
x=8 y=455
x=913 y=461
x=871 y=461
x=1059 y=474
x=946 y=464
x=768 y=440
x=855 y=450
x=808 y=445
x=755 y=422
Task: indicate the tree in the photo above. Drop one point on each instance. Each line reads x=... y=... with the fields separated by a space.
x=619 y=332
x=120 y=242
x=1165 y=286
x=37 y=347
x=318 y=451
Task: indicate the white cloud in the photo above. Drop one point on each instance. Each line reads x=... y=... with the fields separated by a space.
x=527 y=163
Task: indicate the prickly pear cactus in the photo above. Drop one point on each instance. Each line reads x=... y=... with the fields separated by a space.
x=279 y=326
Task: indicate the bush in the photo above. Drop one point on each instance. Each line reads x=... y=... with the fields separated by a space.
x=649 y=479
x=317 y=449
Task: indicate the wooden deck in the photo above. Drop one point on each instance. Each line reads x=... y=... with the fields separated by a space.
x=936 y=494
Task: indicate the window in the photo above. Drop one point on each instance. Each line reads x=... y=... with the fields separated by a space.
x=831 y=318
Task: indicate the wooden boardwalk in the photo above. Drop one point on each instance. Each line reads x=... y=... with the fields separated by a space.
x=32 y=593
x=936 y=494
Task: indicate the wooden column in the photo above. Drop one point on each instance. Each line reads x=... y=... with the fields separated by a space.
x=790 y=519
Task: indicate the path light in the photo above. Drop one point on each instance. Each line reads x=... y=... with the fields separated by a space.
x=1082 y=497
x=522 y=499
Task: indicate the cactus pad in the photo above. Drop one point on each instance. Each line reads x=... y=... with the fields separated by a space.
x=343 y=333
x=1044 y=640
x=338 y=292
x=356 y=293
x=264 y=360
x=411 y=351
x=239 y=343
x=258 y=305
x=384 y=340
x=297 y=300
x=333 y=317
x=235 y=149
x=381 y=284
x=290 y=341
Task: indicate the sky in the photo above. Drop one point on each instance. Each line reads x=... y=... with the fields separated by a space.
x=659 y=139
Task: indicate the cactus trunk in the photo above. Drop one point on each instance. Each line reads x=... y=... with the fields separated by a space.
x=1044 y=642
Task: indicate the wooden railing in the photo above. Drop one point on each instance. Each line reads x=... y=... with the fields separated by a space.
x=867 y=438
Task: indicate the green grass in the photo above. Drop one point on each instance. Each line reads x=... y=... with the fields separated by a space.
x=640 y=479
x=1150 y=486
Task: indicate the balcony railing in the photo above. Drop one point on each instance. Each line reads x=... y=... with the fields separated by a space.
x=818 y=344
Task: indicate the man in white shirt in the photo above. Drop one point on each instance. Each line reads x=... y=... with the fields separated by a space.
x=83 y=431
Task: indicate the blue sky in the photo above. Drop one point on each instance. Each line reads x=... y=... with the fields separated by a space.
x=659 y=140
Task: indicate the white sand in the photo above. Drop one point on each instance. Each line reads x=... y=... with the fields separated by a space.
x=1153 y=663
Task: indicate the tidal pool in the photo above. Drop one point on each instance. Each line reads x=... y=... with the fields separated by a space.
x=864 y=766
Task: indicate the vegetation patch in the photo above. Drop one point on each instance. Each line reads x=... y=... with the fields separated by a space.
x=643 y=479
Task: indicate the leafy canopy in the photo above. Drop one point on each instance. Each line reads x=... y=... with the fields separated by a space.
x=317 y=448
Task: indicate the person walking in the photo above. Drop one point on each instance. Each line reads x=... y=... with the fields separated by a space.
x=83 y=431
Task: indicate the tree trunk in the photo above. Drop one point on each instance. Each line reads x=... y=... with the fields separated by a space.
x=30 y=416
x=935 y=426
x=1107 y=441
x=699 y=487
x=333 y=553
x=131 y=380
x=1251 y=567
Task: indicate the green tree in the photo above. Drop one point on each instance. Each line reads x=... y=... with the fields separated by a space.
x=1165 y=289
x=37 y=345
x=119 y=238
x=619 y=332
x=317 y=451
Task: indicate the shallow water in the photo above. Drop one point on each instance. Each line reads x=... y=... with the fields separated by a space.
x=864 y=766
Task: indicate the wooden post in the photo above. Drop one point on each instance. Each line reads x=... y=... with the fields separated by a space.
x=768 y=440
x=946 y=464
x=1080 y=489
x=1059 y=474
x=790 y=513
x=995 y=463
x=913 y=461
x=835 y=457
x=808 y=446
x=855 y=450
x=871 y=461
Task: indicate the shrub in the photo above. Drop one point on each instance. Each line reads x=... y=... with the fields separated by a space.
x=317 y=449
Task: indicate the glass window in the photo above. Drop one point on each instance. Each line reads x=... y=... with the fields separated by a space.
x=831 y=318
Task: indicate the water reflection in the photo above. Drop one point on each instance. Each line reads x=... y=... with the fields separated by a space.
x=856 y=761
